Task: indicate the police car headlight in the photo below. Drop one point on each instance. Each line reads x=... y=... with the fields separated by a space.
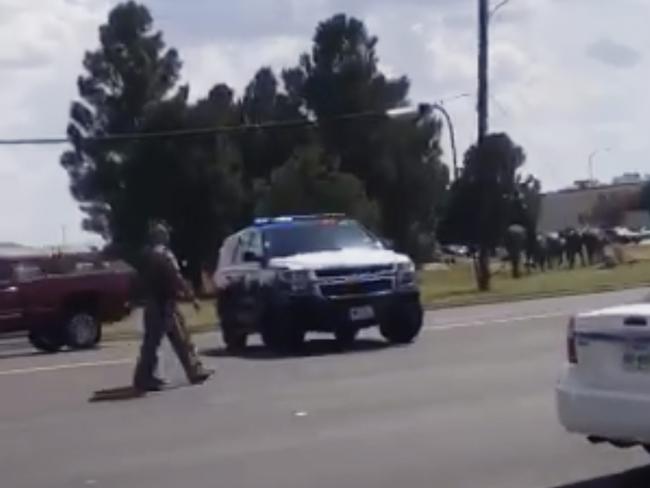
x=298 y=280
x=406 y=277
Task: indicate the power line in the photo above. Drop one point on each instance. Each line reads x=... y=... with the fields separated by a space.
x=288 y=124
x=273 y=124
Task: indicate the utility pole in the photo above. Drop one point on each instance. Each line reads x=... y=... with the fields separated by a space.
x=482 y=108
x=482 y=264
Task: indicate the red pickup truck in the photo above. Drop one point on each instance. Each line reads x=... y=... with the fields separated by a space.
x=62 y=299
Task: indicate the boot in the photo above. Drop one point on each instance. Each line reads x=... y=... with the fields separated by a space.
x=201 y=374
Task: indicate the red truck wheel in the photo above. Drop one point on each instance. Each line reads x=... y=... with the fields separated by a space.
x=46 y=339
x=82 y=331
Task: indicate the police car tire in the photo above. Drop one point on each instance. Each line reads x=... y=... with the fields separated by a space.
x=403 y=325
x=234 y=339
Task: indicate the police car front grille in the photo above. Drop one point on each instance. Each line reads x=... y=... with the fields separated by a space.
x=333 y=272
x=357 y=288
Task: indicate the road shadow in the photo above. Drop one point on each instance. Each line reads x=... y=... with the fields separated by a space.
x=633 y=478
x=311 y=348
x=119 y=394
x=127 y=393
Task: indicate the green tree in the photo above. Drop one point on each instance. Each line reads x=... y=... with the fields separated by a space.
x=265 y=150
x=130 y=72
x=397 y=161
x=193 y=183
x=341 y=76
x=307 y=184
x=415 y=184
x=483 y=200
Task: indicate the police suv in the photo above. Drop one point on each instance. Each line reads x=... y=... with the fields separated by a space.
x=285 y=276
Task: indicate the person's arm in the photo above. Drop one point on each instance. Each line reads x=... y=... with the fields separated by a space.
x=182 y=286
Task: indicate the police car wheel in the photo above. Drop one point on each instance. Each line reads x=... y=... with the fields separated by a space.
x=402 y=325
x=233 y=339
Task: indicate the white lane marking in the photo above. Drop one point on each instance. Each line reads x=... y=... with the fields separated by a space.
x=430 y=328
x=57 y=367
x=502 y=321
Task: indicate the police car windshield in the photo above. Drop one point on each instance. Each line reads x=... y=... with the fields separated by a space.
x=308 y=237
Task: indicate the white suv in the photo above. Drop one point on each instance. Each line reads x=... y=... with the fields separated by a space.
x=604 y=390
x=285 y=276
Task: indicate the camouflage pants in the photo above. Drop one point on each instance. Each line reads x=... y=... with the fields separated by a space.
x=162 y=320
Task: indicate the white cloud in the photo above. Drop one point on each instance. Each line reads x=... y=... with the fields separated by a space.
x=41 y=46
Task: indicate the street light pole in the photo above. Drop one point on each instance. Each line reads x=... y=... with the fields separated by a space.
x=592 y=156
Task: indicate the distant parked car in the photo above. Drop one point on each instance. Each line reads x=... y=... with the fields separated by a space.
x=62 y=299
x=622 y=235
x=456 y=250
x=604 y=390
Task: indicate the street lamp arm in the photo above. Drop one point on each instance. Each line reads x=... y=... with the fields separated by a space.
x=498 y=6
x=452 y=135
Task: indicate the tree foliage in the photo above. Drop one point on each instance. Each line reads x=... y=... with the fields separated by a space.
x=306 y=184
x=398 y=161
x=386 y=172
x=487 y=198
x=130 y=72
x=484 y=200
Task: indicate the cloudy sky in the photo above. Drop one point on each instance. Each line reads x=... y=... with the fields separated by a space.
x=567 y=77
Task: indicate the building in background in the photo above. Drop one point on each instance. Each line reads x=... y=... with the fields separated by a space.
x=574 y=207
x=630 y=178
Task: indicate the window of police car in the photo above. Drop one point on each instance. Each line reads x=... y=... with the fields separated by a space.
x=321 y=236
x=249 y=248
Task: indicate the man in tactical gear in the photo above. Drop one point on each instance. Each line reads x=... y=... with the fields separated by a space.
x=164 y=284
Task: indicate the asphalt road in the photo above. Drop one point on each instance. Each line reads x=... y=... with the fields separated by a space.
x=468 y=405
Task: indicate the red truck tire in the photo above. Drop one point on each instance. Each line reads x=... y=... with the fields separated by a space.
x=82 y=330
x=47 y=339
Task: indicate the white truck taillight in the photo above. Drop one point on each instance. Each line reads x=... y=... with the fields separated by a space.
x=571 y=350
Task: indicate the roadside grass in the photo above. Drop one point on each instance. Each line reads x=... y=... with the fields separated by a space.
x=456 y=286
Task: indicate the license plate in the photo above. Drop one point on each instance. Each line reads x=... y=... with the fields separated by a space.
x=361 y=313
x=636 y=357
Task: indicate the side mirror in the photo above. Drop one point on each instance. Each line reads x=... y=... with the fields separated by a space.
x=251 y=257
